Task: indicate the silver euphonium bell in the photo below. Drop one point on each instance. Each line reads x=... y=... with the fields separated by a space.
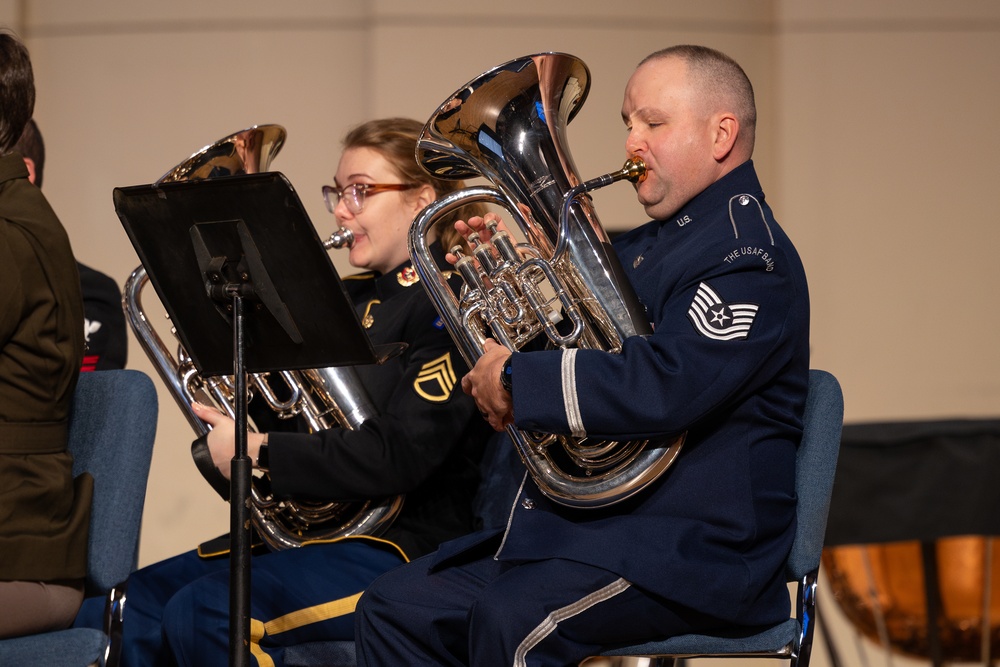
x=507 y=126
x=323 y=397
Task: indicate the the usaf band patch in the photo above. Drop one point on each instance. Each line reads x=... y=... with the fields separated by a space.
x=718 y=320
x=436 y=379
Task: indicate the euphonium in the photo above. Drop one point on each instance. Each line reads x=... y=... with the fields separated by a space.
x=507 y=125
x=322 y=397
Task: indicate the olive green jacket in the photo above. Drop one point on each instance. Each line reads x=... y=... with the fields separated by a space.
x=44 y=512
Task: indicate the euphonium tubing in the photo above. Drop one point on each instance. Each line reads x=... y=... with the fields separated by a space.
x=323 y=398
x=507 y=125
x=248 y=151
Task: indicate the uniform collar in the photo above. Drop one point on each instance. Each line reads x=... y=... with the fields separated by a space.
x=741 y=179
x=403 y=277
x=12 y=166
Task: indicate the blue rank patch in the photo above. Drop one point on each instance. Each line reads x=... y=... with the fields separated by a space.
x=714 y=318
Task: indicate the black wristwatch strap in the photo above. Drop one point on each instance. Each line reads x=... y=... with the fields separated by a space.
x=506 y=375
x=206 y=466
x=263 y=459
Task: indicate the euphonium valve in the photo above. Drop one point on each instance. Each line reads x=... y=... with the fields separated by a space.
x=505 y=286
x=565 y=281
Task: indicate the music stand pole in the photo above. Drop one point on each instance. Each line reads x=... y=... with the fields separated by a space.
x=239 y=527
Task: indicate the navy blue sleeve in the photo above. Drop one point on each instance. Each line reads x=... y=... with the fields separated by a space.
x=724 y=325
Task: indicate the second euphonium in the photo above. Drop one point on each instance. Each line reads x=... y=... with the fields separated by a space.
x=507 y=125
x=322 y=397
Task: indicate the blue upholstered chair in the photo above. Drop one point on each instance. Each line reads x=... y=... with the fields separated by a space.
x=111 y=431
x=814 y=469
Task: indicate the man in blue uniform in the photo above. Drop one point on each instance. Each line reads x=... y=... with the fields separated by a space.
x=705 y=544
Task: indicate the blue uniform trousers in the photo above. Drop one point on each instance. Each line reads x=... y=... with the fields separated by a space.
x=177 y=610
x=493 y=613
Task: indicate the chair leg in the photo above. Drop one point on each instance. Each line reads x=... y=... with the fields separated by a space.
x=114 y=617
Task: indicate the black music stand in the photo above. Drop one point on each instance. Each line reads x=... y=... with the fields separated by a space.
x=211 y=248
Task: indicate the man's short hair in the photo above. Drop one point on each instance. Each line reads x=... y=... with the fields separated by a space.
x=715 y=72
x=31 y=146
x=17 y=90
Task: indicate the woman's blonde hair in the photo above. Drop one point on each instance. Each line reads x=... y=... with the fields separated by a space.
x=396 y=140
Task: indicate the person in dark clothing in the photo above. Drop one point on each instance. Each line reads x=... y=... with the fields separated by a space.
x=44 y=512
x=704 y=545
x=424 y=443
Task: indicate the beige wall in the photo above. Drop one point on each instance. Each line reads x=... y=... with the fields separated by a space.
x=886 y=172
x=876 y=147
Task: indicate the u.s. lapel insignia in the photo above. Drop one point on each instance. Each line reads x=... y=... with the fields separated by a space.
x=407 y=276
x=367 y=320
x=436 y=379
x=637 y=262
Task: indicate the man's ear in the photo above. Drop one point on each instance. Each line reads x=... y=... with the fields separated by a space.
x=30 y=164
x=727 y=129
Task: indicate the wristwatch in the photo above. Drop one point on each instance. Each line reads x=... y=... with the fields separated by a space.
x=506 y=374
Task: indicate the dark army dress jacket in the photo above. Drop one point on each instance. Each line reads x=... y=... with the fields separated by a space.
x=425 y=442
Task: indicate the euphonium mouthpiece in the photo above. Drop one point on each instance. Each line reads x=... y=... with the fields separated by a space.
x=634 y=169
x=340 y=238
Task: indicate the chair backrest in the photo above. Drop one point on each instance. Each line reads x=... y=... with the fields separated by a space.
x=111 y=431
x=815 y=467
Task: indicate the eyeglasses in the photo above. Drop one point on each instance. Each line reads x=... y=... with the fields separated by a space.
x=354 y=194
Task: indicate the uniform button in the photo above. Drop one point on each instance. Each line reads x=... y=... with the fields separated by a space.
x=527 y=503
x=744 y=200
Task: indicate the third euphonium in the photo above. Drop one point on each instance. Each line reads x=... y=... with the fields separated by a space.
x=323 y=397
x=507 y=125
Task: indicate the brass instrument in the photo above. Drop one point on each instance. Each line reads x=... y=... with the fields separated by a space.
x=323 y=397
x=507 y=125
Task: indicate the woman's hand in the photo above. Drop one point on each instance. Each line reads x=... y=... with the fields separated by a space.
x=222 y=438
x=476 y=225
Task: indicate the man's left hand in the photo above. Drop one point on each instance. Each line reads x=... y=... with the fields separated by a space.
x=483 y=384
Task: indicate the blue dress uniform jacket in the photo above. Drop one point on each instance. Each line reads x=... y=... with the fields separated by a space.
x=727 y=362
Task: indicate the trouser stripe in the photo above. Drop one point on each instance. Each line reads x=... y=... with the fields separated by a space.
x=256 y=634
x=315 y=614
x=294 y=620
x=551 y=622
